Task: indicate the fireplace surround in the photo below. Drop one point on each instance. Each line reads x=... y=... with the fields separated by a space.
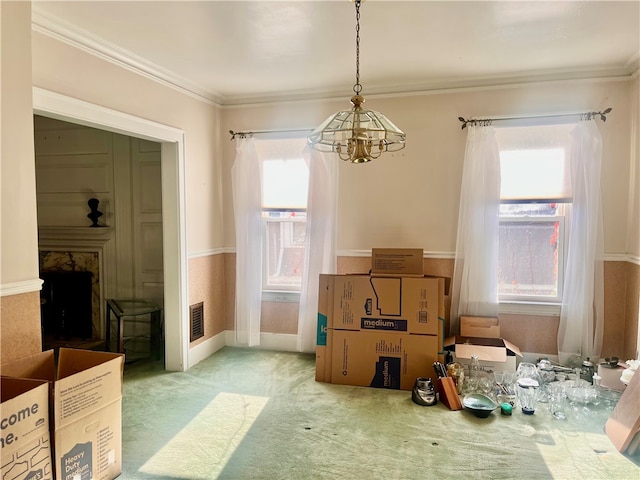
x=74 y=268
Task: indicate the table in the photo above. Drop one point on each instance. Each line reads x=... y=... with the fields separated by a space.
x=132 y=307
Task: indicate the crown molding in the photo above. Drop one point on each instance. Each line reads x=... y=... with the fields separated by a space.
x=54 y=27
x=65 y=32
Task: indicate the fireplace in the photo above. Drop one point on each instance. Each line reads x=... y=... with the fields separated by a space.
x=66 y=305
x=70 y=295
x=73 y=266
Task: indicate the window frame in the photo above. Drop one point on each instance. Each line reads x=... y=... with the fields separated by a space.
x=540 y=306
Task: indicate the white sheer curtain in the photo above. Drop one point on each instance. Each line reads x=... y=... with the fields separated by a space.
x=246 y=178
x=582 y=315
x=320 y=251
x=475 y=277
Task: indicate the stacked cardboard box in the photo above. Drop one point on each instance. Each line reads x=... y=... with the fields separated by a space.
x=481 y=336
x=380 y=329
x=85 y=410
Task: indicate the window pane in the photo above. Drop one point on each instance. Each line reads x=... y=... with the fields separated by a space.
x=285 y=183
x=533 y=174
x=528 y=263
x=285 y=235
x=534 y=162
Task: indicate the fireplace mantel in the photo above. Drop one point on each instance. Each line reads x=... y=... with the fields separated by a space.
x=88 y=234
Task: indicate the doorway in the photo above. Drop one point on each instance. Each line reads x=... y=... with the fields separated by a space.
x=60 y=107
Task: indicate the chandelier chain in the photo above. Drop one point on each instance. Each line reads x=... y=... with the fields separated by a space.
x=357 y=88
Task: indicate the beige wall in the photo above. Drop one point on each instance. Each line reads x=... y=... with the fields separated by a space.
x=410 y=198
x=206 y=284
x=633 y=244
x=19 y=236
x=63 y=69
x=19 y=299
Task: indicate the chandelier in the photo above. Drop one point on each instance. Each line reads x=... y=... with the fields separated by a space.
x=357 y=135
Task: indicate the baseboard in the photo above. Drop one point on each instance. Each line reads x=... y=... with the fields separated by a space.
x=289 y=343
x=279 y=341
x=268 y=341
x=206 y=348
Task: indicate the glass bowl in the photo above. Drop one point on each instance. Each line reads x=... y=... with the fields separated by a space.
x=479 y=404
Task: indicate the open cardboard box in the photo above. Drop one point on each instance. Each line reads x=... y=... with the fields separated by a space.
x=480 y=327
x=85 y=409
x=25 y=441
x=495 y=354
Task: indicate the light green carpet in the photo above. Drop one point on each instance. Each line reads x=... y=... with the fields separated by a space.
x=253 y=414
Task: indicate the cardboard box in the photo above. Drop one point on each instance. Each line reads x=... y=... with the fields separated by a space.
x=399 y=304
x=25 y=441
x=494 y=354
x=397 y=261
x=381 y=359
x=481 y=327
x=86 y=409
x=389 y=306
x=325 y=307
x=610 y=377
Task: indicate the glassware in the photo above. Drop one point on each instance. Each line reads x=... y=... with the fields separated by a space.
x=527 y=389
x=527 y=393
x=557 y=400
x=472 y=382
x=547 y=375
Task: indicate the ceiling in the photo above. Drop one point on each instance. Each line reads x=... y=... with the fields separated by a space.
x=238 y=52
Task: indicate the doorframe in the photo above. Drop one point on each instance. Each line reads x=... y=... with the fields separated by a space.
x=172 y=140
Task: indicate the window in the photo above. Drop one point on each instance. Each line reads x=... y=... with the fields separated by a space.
x=285 y=182
x=535 y=198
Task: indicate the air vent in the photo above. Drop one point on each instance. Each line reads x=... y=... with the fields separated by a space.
x=196 y=321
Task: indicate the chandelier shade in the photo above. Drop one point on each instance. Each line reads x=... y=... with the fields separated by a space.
x=357 y=135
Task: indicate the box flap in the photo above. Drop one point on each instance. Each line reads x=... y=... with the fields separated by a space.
x=479 y=321
x=39 y=366
x=455 y=342
x=72 y=361
x=11 y=387
x=510 y=346
x=87 y=381
x=486 y=353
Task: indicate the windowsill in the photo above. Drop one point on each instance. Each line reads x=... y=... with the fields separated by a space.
x=542 y=309
x=280 y=296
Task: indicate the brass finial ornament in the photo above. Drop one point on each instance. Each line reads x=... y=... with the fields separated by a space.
x=357 y=135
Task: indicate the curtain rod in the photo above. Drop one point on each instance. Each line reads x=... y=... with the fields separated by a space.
x=583 y=116
x=258 y=132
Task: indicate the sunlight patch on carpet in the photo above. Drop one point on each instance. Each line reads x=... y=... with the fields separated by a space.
x=203 y=447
